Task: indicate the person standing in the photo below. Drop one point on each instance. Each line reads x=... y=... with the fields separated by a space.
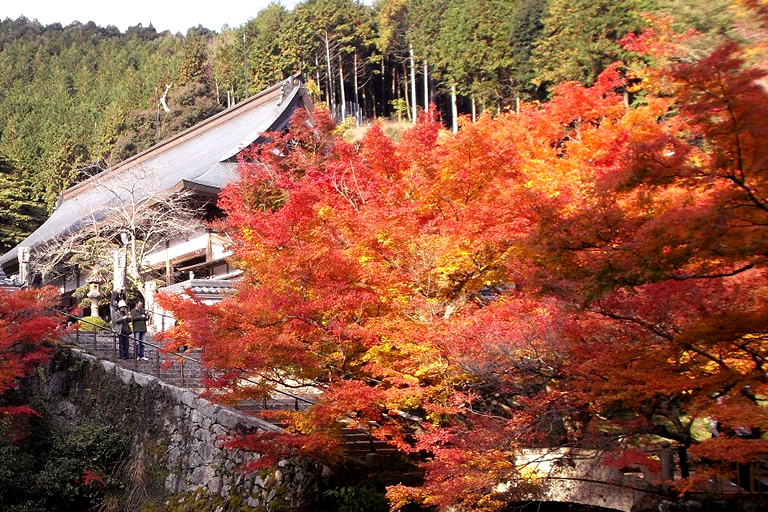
x=121 y=324
x=139 y=317
x=117 y=296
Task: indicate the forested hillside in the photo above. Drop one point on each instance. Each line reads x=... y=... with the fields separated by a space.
x=583 y=265
x=75 y=100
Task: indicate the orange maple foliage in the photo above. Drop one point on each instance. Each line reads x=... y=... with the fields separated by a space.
x=583 y=273
x=666 y=258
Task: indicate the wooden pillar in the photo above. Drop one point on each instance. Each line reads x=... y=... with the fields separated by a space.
x=168 y=273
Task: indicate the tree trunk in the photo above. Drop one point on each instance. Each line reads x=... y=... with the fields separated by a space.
x=454 y=110
x=168 y=273
x=426 y=86
x=118 y=271
x=134 y=265
x=373 y=105
x=341 y=89
x=405 y=95
x=330 y=72
x=245 y=65
x=157 y=116
x=413 y=83
x=165 y=96
x=383 y=90
x=474 y=110
x=395 y=90
x=358 y=112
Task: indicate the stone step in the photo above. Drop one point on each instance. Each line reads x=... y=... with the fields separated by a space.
x=162 y=365
x=357 y=442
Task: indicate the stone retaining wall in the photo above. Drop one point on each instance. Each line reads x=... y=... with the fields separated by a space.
x=175 y=433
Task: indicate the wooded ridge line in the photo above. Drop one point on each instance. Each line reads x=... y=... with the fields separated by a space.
x=78 y=99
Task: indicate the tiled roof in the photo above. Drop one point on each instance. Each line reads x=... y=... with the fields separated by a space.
x=204 y=155
x=203 y=288
x=7 y=283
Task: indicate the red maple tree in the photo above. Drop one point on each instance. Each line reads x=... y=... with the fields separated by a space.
x=583 y=273
x=29 y=330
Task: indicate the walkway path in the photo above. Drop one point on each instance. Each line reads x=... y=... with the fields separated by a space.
x=573 y=476
x=185 y=370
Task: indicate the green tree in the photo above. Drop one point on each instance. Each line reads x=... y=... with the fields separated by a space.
x=474 y=44
x=523 y=29
x=227 y=66
x=333 y=25
x=62 y=113
x=393 y=43
x=426 y=26
x=297 y=42
x=581 y=37
x=266 y=63
x=19 y=215
x=358 y=48
x=194 y=63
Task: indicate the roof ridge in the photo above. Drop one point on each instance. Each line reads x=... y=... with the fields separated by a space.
x=284 y=86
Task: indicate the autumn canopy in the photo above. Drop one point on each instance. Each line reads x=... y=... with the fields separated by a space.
x=29 y=329
x=588 y=272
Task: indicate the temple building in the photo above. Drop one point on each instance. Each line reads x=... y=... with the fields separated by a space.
x=199 y=161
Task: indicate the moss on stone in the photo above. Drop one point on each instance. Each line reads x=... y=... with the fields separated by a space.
x=203 y=501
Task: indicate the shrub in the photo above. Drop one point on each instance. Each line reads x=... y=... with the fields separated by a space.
x=56 y=471
x=92 y=323
x=357 y=498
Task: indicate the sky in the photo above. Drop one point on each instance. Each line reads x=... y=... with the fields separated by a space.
x=173 y=15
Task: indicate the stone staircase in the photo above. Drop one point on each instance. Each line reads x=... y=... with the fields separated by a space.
x=184 y=370
x=178 y=369
x=359 y=443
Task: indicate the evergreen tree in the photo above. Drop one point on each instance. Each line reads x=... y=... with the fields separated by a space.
x=523 y=29
x=581 y=37
x=19 y=215
x=266 y=63
x=77 y=99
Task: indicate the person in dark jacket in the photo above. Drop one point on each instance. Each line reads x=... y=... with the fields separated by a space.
x=121 y=324
x=139 y=317
x=117 y=296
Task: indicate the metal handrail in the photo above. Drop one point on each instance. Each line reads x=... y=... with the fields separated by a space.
x=101 y=328
x=159 y=349
x=134 y=342
x=756 y=486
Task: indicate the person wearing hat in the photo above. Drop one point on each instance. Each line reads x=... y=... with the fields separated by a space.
x=121 y=324
x=117 y=295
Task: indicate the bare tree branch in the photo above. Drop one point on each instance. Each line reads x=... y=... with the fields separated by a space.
x=146 y=214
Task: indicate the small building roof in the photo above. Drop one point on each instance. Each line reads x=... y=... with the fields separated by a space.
x=8 y=284
x=202 y=157
x=204 y=289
